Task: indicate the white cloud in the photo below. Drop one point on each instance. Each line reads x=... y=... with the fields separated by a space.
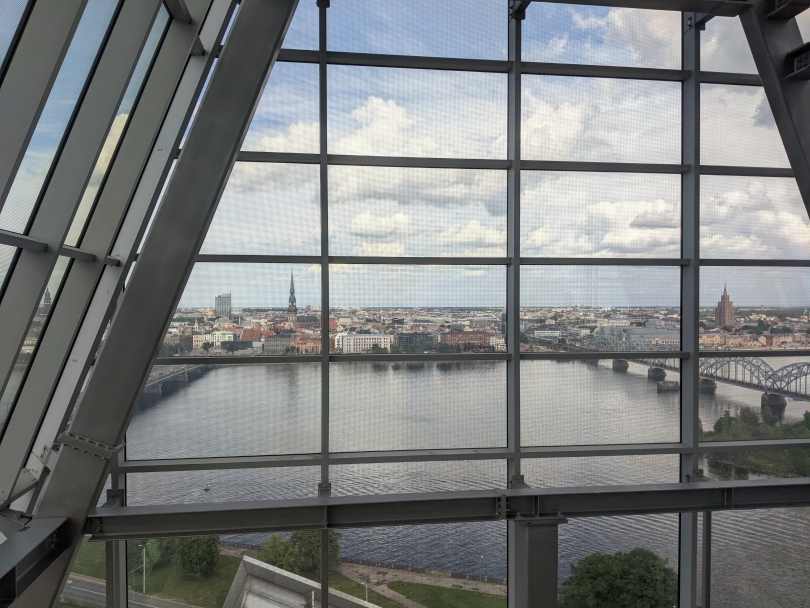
x=473 y=233
x=367 y=224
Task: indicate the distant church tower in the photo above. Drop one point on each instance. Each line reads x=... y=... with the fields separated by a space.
x=292 y=309
x=724 y=313
x=46 y=302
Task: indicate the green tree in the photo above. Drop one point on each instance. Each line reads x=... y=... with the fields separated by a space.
x=376 y=349
x=197 y=556
x=637 y=579
x=307 y=544
x=280 y=552
x=207 y=345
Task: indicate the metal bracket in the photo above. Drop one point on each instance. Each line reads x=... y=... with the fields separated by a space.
x=517 y=9
x=324 y=490
x=197 y=49
x=88 y=446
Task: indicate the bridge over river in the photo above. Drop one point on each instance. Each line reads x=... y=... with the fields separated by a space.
x=777 y=384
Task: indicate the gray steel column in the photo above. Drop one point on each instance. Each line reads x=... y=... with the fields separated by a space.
x=163 y=266
x=325 y=487
x=690 y=298
x=707 y=560
x=103 y=227
x=117 y=549
x=536 y=550
x=770 y=41
x=71 y=175
x=29 y=78
x=516 y=572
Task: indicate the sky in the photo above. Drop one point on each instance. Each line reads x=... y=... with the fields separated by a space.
x=273 y=208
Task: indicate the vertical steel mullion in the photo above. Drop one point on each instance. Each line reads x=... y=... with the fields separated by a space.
x=706 y=586
x=516 y=574
x=324 y=488
x=690 y=299
x=117 y=550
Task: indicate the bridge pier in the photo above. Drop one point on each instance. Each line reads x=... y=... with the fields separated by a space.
x=656 y=373
x=776 y=403
x=707 y=386
x=620 y=365
x=668 y=386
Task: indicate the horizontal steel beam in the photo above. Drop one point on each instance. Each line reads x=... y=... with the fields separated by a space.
x=730 y=78
x=258 y=259
x=716 y=8
x=28 y=553
x=746 y=171
x=574 y=356
x=427 y=261
x=590 y=451
x=603 y=262
x=124 y=523
x=708 y=447
x=335 y=358
x=21 y=241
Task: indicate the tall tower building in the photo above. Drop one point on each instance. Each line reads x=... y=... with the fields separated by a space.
x=292 y=309
x=222 y=306
x=46 y=302
x=724 y=313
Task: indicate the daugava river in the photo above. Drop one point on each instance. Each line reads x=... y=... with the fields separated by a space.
x=760 y=558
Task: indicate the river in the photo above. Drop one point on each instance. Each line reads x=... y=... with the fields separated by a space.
x=759 y=557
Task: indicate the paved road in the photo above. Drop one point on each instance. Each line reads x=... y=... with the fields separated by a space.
x=93 y=591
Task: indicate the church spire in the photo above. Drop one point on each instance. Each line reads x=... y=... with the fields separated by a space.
x=292 y=309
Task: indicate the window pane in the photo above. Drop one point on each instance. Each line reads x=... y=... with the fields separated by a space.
x=303 y=31
x=753 y=217
x=759 y=558
x=458 y=564
x=600 y=308
x=570 y=214
x=57 y=114
x=118 y=127
x=423 y=113
x=10 y=14
x=267 y=209
x=737 y=128
x=596 y=35
x=599 y=402
x=762 y=464
x=247 y=309
x=420 y=27
x=652 y=544
x=754 y=307
x=204 y=410
x=402 y=477
x=381 y=211
x=286 y=119
x=724 y=47
x=417 y=405
x=600 y=120
x=6 y=257
x=601 y=471
x=754 y=398
x=32 y=338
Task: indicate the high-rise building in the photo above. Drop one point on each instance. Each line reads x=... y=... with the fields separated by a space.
x=724 y=313
x=46 y=302
x=222 y=306
x=292 y=309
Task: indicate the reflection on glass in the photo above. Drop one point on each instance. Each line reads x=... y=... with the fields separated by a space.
x=619 y=561
x=419 y=27
x=572 y=214
x=404 y=477
x=286 y=119
x=57 y=114
x=600 y=402
x=600 y=308
x=382 y=211
x=753 y=307
x=747 y=398
x=417 y=405
x=596 y=35
x=759 y=558
x=205 y=410
x=118 y=127
x=600 y=119
x=724 y=47
x=753 y=217
x=738 y=128
x=32 y=338
x=267 y=209
x=423 y=113
x=601 y=471
x=416 y=309
x=247 y=309
x=10 y=14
